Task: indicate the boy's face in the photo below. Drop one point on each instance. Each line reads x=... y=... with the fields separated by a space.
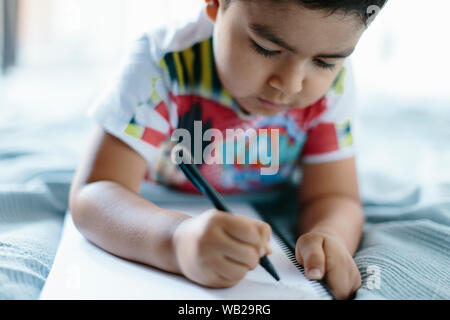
x=287 y=78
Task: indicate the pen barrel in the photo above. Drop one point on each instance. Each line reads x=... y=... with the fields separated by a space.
x=200 y=183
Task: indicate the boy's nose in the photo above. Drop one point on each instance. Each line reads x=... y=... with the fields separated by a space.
x=289 y=80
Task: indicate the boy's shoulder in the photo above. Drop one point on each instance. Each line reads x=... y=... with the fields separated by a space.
x=178 y=35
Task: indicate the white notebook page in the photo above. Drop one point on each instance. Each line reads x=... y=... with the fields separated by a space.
x=82 y=270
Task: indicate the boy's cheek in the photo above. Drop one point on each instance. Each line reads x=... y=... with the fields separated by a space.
x=240 y=70
x=240 y=79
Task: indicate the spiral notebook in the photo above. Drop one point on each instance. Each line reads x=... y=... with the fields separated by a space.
x=82 y=270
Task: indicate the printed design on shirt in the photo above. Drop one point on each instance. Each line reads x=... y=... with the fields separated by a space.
x=338 y=84
x=154 y=95
x=193 y=71
x=328 y=137
x=343 y=130
x=322 y=138
x=134 y=129
x=153 y=110
x=344 y=134
x=245 y=173
x=242 y=172
x=158 y=116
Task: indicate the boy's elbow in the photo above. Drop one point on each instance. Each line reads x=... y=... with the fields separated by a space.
x=73 y=192
x=80 y=205
x=76 y=206
x=86 y=199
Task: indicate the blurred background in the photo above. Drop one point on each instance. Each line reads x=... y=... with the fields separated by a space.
x=58 y=55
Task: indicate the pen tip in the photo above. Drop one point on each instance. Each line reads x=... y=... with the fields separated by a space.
x=269 y=267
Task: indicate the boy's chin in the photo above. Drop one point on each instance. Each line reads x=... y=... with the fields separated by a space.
x=264 y=111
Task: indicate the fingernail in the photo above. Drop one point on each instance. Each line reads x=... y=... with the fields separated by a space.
x=262 y=252
x=315 y=274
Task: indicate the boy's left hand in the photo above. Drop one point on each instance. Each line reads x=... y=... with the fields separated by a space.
x=328 y=254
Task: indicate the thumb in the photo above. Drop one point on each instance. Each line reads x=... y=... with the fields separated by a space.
x=309 y=253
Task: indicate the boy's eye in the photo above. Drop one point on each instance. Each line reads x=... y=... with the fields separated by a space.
x=324 y=65
x=266 y=53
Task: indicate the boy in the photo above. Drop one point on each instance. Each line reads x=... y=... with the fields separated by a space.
x=242 y=64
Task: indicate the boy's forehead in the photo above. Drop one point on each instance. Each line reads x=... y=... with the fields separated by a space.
x=300 y=28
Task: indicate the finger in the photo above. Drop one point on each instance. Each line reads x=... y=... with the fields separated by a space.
x=231 y=269
x=265 y=231
x=357 y=282
x=298 y=254
x=242 y=229
x=245 y=254
x=313 y=257
x=338 y=274
x=222 y=282
x=176 y=175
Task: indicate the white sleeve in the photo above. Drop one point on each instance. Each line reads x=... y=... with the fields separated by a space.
x=135 y=107
x=330 y=136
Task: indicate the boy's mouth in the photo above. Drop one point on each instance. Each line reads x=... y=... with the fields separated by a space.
x=271 y=105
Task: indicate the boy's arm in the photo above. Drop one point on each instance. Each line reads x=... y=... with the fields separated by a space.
x=330 y=224
x=329 y=201
x=107 y=208
x=214 y=248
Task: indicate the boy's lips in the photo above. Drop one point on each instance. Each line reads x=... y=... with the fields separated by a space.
x=273 y=105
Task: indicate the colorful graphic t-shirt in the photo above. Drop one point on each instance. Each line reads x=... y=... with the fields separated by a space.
x=169 y=82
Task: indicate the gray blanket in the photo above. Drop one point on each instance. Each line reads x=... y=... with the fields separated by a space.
x=404 y=253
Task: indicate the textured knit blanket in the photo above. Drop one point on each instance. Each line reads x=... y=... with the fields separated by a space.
x=404 y=253
x=405 y=249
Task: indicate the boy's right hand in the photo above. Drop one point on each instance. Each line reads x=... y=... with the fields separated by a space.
x=217 y=249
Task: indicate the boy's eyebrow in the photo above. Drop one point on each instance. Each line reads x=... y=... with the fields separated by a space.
x=266 y=32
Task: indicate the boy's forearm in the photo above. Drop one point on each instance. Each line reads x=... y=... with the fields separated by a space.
x=127 y=225
x=336 y=215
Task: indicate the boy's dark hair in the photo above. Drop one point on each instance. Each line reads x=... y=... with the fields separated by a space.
x=366 y=10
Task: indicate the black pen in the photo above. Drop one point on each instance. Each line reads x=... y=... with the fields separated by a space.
x=203 y=186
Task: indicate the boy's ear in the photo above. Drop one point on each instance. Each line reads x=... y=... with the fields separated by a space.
x=212 y=8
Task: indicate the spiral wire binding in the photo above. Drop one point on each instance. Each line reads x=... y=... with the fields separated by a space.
x=323 y=291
